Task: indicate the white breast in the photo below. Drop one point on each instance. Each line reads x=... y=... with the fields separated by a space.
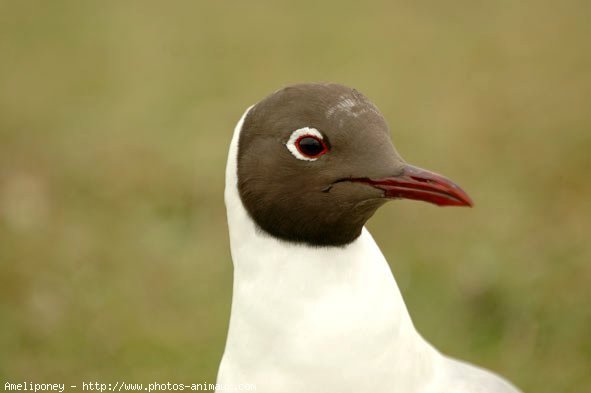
x=307 y=319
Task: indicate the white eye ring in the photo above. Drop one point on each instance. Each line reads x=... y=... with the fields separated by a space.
x=299 y=134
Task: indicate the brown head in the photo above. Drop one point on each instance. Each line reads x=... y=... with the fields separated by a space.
x=315 y=161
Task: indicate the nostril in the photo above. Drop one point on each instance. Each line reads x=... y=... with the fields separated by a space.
x=421 y=179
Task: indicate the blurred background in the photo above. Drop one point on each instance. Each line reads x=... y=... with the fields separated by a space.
x=115 y=118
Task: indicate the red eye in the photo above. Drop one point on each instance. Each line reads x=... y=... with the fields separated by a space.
x=311 y=146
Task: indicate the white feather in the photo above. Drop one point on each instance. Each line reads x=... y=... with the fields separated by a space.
x=318 y=320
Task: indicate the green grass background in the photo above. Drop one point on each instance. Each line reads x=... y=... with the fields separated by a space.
x=115 y=118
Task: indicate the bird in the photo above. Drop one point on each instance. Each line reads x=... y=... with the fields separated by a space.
x=315 y=306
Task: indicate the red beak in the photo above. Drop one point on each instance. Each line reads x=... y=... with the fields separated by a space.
x=422 y=185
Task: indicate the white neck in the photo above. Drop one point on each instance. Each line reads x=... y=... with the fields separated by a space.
x=315 y=319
